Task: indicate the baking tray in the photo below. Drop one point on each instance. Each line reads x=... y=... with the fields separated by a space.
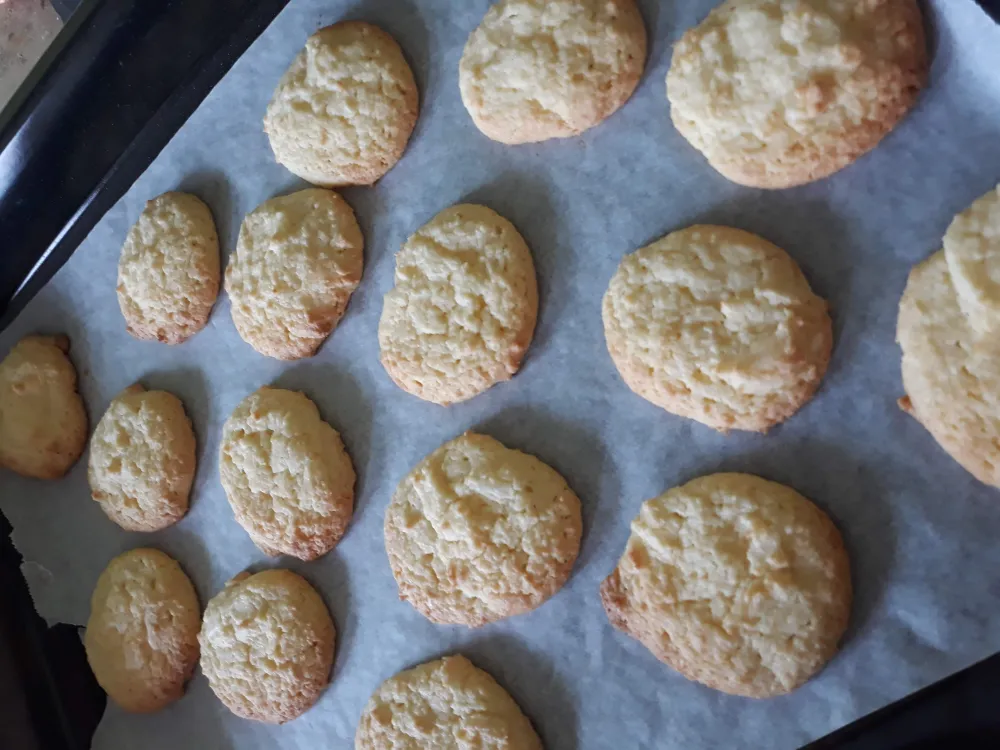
x=118 y=82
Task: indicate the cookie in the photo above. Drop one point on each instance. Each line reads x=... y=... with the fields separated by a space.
x=142 y=460
x=718 y=325
x=168 y=273
x=344 y=111
x=267 y=645
x=142 y=635
x=43 y=425
x=297 y=261
x=736 y=582
x=972 y=249
x=951 y=372
x=463 y=310
x=478 y=532
x=447 y=704
x=777 y=93
x=287 y=476
x=540 y=69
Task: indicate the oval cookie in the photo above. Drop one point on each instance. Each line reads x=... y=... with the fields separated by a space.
x=478 y=532
x=344 y=111
x=142 y=635
x=286 y=474
x=777 y=93
x=168 y=273
x=267 y=645
x=734 y=581
x=972 y=249
x=537 y=70
x=463 y=310
x=718 y=325
x=43 y=425
x=297 y=262
x=142 y=460
x=447 y=704
x=951 y=372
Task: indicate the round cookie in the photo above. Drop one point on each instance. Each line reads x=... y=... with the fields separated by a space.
x=734 y=581
x=267 y=645
x=142 y=460
x=344 y=111
x=951 y=373
x=972 y=249
x=447 y=704
x=43 y=425
x=777 y=93
x=478 y=532
x=287 y=476
x=297 y=261
x=142 y=635
x=540 y=69
x=463 y=310
x=168 y=273
x=717 y=325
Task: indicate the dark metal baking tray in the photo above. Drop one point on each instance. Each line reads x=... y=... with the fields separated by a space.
x=115 y=86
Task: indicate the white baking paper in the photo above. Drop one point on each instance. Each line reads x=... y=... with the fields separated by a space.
x=922 y=534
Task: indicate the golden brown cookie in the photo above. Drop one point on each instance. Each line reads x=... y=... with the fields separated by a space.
x=168 y=274
x=463 y=310
x=344 y=111
x=267 y=645
x=777 y=93
x=286 y=473
x=142 y=460
x=951 y=371
x=478 y=532
x=718 y=325
x=972 y=249
x=734 y=581
x=540 y=69
x=43 y=425
x=297 y=262
x=447 y=704
x=142 y=635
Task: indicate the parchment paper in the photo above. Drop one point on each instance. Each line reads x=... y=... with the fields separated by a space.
x=921 y=532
